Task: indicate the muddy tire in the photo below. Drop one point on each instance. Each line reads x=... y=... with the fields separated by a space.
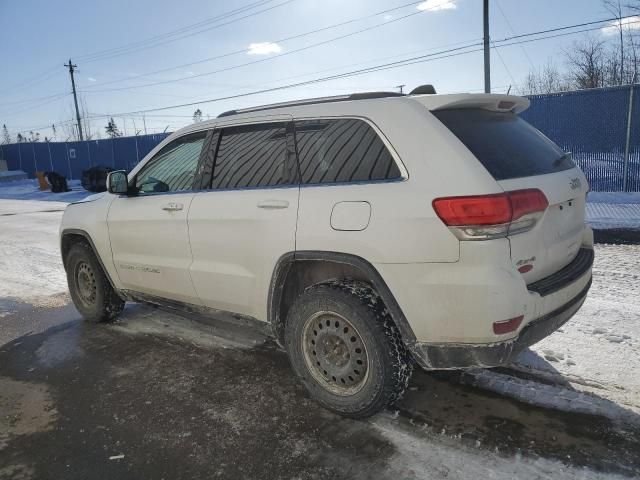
x=91 y=292
x=345 y=348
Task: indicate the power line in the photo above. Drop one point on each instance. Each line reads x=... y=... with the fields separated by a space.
x=32 y=107
x=157 y=41
x=244 y=50
x=32 y=81
x=524 y=50
x=463 y=50
x=262 y=60
x=17 y=102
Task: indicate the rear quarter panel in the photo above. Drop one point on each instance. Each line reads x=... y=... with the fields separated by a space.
x=403 y=227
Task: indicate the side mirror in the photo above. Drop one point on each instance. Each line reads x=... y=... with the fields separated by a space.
x=117 y=182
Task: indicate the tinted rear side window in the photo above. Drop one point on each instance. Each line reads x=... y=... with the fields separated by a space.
x=337 y=151
x=251 y=156
x=505 y=144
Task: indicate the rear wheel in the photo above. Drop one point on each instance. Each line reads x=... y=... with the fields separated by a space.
x=91 y=292
x=346 y=349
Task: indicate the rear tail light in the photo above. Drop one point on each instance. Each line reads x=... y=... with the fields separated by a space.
x=485 y=217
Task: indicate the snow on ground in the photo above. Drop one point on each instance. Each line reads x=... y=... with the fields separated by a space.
x=29 y=255
x=29 y=252
x=607 y=210
x=28 y=190
x=421 y=456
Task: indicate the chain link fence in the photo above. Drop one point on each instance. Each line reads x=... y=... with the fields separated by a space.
x=601 y=127
x=71 y=158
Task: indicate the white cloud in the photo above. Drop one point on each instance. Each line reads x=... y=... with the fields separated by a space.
x=629 y=23
x=264 y=48
x=435 y=5
x=91 y=79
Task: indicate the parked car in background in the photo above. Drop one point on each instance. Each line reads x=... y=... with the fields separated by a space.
x=94 y=179
x=369 y=231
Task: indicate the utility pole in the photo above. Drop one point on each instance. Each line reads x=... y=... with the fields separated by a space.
x=400 y=87
x=487 y=56
x=75 y=97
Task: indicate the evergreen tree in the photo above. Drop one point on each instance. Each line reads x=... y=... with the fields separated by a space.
x=6 y=138
x=112 y=129
x=197 y=116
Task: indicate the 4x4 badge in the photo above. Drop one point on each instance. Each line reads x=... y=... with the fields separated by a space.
x=575 y=183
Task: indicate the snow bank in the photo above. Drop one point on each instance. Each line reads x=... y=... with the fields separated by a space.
x=424 y=456
x=607 y=210
x=29 y=190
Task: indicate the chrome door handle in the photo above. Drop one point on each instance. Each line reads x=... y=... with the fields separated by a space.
x=172 y=206
x=273 y=204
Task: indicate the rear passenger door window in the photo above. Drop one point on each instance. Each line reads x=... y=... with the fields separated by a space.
x=251 y=156
x=342 y=151
x=173 y=168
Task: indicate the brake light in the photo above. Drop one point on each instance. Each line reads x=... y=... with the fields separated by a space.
x=484 y=217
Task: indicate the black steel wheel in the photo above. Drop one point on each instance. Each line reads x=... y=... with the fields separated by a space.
x=90 y=289
x=345 y=348
x=335 y=353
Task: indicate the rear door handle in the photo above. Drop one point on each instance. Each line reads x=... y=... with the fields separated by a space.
x=273 y=204
x=172 y=206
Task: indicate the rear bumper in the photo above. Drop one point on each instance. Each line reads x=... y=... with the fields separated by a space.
x=459 y=356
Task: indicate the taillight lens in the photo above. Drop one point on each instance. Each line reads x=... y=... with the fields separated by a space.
x=484 y=217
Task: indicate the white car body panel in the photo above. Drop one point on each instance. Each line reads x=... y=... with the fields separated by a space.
x=150 y=245
x=237 y=237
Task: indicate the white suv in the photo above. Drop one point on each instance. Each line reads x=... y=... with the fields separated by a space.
x=368 y=231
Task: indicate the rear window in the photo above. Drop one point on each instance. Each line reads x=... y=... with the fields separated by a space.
x=505 y=144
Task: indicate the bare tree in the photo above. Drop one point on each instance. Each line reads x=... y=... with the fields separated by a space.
x=548 y=79
x=615 y=8
x=197 y=116
x=586 y=64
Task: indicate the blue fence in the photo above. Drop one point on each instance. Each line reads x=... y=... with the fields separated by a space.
x=592 y=124
x=71 y=158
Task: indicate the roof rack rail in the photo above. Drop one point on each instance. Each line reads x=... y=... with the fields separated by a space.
x=313 y=101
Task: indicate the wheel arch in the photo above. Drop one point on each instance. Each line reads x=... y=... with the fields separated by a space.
x=295 y=271
x=71 y=236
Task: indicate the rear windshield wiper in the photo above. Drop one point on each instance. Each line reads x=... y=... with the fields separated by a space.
x=562 y=159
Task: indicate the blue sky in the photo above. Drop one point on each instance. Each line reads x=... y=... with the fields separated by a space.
x=39 y=37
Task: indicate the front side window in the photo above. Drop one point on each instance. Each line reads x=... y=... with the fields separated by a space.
x=173 y=168
x=251 y=156
x=338 y=151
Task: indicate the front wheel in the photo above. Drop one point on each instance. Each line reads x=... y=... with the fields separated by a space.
x=346 y=349
x=91 y=292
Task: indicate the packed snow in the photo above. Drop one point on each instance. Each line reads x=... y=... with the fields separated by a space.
x=420 y=456
x=606 y=210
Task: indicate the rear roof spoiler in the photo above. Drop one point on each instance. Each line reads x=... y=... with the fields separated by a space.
x=486 y=101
